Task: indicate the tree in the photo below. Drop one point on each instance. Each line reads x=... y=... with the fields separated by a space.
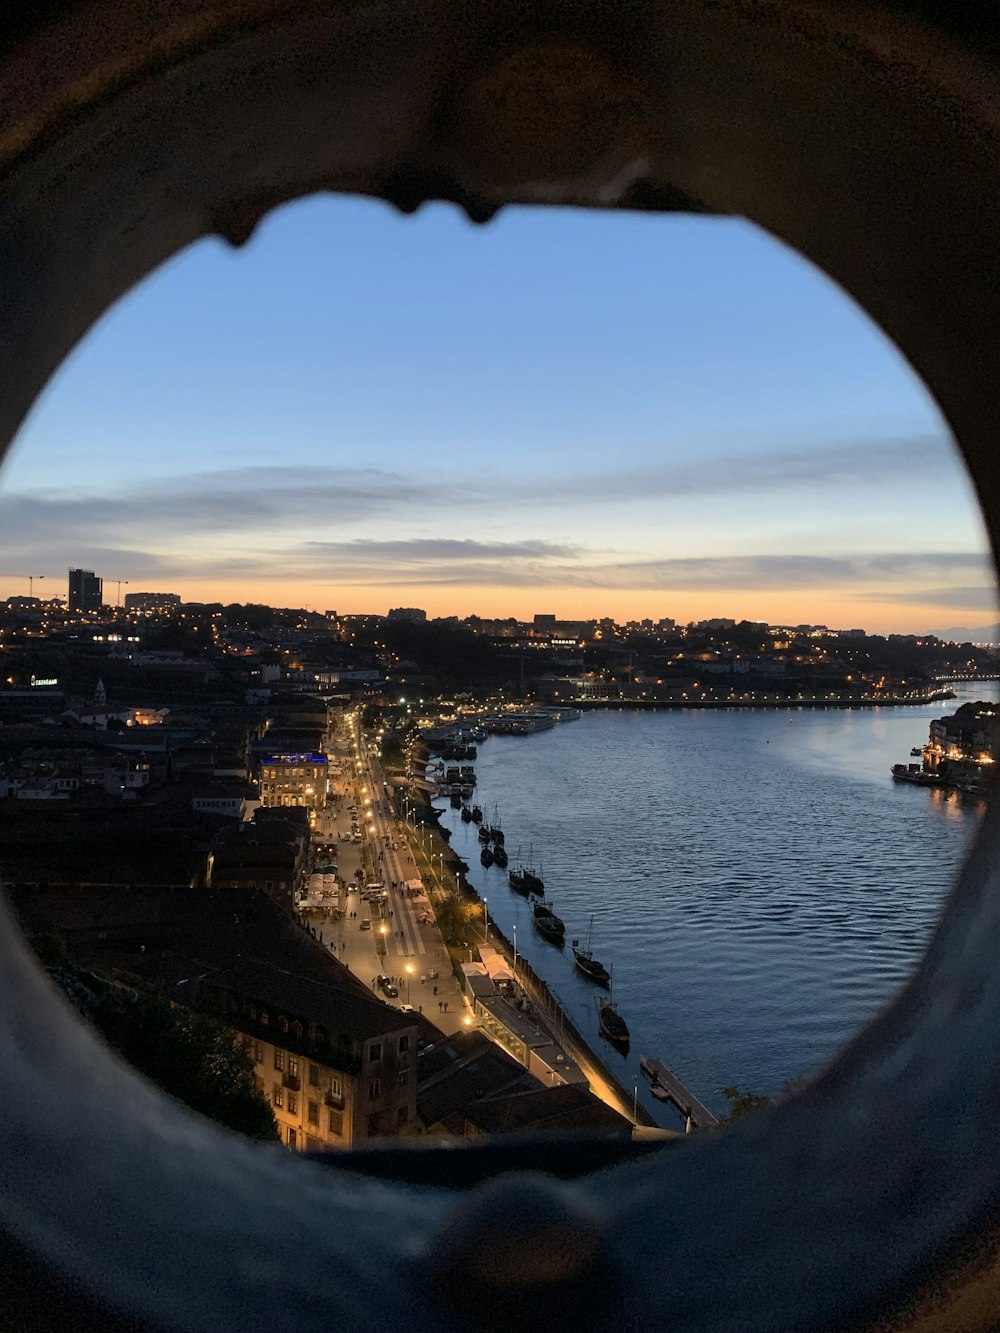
x=743 y=1102
x=187 y=1055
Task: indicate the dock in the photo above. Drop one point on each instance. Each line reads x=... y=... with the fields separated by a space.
x=686 y=1102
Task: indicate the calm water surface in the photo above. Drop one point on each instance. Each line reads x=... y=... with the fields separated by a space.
x=758 y=882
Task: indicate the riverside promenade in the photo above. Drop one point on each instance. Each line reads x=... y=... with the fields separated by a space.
x=904 y=700
x=439 y=867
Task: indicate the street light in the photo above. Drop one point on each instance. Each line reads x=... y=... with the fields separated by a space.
x=486 y=923
x=409 y=978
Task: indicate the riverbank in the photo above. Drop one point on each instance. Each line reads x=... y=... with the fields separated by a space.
x=435 y=859
x=757 y=882
x=764 y=701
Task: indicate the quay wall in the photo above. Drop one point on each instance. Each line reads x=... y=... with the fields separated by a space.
x=592 y=705
x=583 y=1053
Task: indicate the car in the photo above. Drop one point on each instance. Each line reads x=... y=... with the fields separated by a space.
x=387 y=987
x=365 y=925
x=355 y=837
x=432 y=973
x=407 y=1009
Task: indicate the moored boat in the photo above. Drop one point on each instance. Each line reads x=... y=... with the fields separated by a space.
x=515 y=878
x=549 y=925
x=914 y=773
x=587 y=963
x=612 y=1024
x=477 y=815
x=486 y=856
x=466 y=815
x=500 y=855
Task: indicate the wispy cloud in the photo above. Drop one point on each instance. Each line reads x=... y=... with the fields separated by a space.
x=445 y=562
x=262 y=499
x=977 y=598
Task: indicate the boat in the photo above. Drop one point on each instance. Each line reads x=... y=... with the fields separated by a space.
x=456 y=799
x=484 y=833
x=515 y=878
x=477 y=815
x=549 y=925
x=500 y=855
x=495 y=831
x=587 y=963
x=917 y=751
x=612 y=1024
x=660 y=1092
x=466 y=815
x=914 y=773
x=486 y=856
x=532 y=883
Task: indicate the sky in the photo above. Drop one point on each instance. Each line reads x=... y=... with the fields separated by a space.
x=562 y=412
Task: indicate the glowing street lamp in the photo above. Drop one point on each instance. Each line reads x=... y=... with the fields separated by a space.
x=409 y=978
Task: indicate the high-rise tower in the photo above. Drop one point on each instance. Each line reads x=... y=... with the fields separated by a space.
x=85 y=590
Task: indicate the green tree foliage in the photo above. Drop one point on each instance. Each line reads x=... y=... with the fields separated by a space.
x=743 y=1102
x=187 y=1055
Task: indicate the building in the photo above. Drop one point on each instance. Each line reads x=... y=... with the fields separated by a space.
x=151 y=601
x=294 y=779
x=269 y=858
x=86 y=591
x=337 y=1065
x=411 y=614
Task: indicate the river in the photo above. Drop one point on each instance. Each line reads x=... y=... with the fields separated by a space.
x=758 y=883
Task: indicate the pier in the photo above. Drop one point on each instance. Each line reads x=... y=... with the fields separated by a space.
x=687 y=1103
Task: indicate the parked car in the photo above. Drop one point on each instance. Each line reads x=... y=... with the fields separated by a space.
x=365 y=925
x=387 y=987
x=407 y=1009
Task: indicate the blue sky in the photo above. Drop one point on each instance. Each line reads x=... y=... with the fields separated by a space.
x=561 y=411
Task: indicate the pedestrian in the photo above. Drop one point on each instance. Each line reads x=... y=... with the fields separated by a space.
x=420 y=1008
x=435 y=990
x=440 y=1002
x=446 y=1006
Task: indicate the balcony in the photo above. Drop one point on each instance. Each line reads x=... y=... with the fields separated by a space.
x=334 y=1099
x=291 y=1082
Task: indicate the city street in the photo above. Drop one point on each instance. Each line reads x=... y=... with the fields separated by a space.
x=398 y=943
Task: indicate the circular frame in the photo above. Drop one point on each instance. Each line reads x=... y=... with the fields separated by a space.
x=863 y=135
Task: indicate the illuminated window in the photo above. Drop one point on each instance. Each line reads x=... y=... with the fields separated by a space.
x=293 y=1104
x=279 y=1059
x=278 y=1095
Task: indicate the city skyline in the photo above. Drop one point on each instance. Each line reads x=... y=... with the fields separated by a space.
x=625 y=417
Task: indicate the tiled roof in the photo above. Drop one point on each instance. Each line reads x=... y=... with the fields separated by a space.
x=562 y=1109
